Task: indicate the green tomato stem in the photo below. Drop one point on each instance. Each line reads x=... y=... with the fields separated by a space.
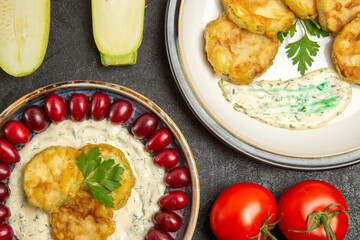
x=267 y=233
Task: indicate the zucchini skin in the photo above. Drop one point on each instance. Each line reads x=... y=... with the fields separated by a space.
x=118 y=60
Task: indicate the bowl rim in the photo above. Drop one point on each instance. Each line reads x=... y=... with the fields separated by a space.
x=147 y=103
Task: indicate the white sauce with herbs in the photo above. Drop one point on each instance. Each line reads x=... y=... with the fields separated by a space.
x=132 y=221
x=306 y=102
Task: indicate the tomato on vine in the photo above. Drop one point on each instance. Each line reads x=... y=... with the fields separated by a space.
x=313 y=210
x=243 y=211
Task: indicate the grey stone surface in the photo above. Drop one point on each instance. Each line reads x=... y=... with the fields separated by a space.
x=72 y=54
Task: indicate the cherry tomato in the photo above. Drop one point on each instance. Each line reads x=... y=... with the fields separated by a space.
x=4 y=191
x=157 y=234
x=4 y=213
x=35 y=118
x=119 y=111
x=8 y=153
x=16 y=132
x=99 y=106
x=167 y=220
x=174 y=200
x=158 y=140
x=6 y=232
x=166 y=158
x=144 y=126
x=55 y=108
x=5 y=171
x=78 y=107
x=241 y=210
x=177 y=177
x=308 y=197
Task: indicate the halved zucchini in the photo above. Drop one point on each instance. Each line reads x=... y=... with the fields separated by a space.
x=333 y=15
x=24 y=35
x=259 y=16
x=118 y=29
x=303 y=8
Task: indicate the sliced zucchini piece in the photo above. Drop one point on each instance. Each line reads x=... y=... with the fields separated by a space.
x=24 y=35
x=259 y=16
x=52 y=177
x=346 y=51
x=118 y=29
x=303 y=8
x=333 y=15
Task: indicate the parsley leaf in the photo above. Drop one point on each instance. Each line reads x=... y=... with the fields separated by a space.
x=101 y=194
x=304 y=49
x=315 y=28
x=106 y=177
x=291 y=30
x=92 y=162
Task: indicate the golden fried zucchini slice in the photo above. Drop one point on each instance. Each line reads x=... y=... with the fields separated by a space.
x=51 y=177
x=346 y=51
x=260 y=16
x=236 y=53
x=302 y=8
x=333 y=15
x=122 y=194
x=82 y=218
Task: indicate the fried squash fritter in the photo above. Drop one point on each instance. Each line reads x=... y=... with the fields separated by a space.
x=51 y=177
x=333 y=15
x=346 y=51
x=122 y=194
x=260 y=16
x=237 y=53
x=82 y=218
x=303 y=8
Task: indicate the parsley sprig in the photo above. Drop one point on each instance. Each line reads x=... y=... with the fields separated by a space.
x=106 y=177
x=302 y=51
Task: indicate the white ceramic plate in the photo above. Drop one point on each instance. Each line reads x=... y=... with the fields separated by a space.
x=333 y=145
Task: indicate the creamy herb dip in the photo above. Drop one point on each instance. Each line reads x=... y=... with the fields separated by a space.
x=132 y=221
x=306 y=102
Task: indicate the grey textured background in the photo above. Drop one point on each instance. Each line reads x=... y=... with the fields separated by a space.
x=72 y=54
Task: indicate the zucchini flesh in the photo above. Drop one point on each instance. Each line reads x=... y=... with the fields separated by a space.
x=24 y=35
x=118 y=29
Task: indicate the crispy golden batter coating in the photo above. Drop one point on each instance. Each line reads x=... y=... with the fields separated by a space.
x=51 y=177
x=121 y=194
x=237 y=53
x=333 y=15
x=260 y=16
x=82 y=218
x=346 y=51
x=302 y=8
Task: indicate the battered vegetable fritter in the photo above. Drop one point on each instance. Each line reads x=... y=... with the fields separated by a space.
x=346 y=51
x=303 y=8
x=333 y=15
x=236 y=53
x=51 y=177
x=260 y=16
x=121 y=194
x=82 y=218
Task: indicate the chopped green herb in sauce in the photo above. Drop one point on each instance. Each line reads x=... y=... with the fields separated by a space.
x=307 y=102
